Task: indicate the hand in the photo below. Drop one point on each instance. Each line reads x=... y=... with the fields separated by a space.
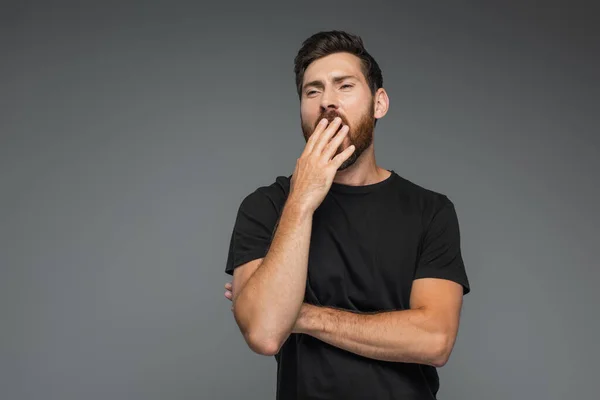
x=315 y=169
x=229 y=293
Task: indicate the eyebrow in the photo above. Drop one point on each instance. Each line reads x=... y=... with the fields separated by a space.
x=319 y=83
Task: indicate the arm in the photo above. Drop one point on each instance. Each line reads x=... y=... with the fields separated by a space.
x=424 y=334
x=266 y=303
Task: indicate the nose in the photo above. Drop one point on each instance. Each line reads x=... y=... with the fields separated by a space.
x=329 y=100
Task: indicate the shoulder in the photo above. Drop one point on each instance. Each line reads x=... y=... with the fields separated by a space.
x=426 y=201
x=271 y=196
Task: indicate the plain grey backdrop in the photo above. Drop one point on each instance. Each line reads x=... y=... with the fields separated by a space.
x=131 y=131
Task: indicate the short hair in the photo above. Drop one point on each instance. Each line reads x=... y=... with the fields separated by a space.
x=324 y=43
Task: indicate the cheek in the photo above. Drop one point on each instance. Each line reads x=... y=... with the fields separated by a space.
x=356 y=105
x=309 y=110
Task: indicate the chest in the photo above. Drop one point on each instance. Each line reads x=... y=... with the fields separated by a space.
x=362 y=259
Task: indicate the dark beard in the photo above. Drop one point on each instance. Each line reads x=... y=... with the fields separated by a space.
x=361 y=135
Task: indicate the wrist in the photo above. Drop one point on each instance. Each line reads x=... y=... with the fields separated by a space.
x=307 y=318
x=297 y=209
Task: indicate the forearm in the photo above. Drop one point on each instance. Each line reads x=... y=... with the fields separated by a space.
x=410 y=336
x=268 y=305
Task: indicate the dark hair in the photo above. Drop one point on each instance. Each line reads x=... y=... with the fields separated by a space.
x=322 y=44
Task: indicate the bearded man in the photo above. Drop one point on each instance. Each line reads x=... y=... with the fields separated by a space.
x=350 y=275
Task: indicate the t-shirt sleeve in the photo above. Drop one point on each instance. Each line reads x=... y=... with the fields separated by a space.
x=253 y=230
x=440 y=251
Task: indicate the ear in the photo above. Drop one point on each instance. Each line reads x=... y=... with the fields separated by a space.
x=382 y=103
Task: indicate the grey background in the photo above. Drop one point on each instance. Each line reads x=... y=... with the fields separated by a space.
x=131 y=132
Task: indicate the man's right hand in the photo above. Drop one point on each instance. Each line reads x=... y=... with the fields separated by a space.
x=315 y=169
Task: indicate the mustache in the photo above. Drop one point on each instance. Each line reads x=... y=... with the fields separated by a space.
x=330 y=115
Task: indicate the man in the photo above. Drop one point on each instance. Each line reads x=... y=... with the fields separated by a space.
x=349 y=274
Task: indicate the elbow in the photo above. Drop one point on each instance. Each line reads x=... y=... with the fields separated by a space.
x=262 y=344
x=259 y=339
x=442 y=349
x=440 y=361
x=261 y=335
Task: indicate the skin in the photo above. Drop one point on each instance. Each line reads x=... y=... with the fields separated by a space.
x=352 y=100
x=273 y=296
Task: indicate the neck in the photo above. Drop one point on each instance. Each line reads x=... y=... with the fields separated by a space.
x=364 y=171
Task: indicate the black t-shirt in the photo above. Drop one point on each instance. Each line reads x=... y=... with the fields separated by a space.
x=368 y=243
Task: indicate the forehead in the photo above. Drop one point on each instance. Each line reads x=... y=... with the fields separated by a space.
x=333 y=65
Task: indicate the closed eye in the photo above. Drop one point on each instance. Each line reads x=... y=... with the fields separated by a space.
x=310 y=92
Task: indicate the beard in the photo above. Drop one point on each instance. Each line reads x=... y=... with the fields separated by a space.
x=360 y=135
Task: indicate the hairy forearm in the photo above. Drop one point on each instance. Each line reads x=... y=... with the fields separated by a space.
x=268 y=305
x=411 y=336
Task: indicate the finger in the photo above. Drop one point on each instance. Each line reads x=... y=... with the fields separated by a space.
x=335 y=143
x=326 y=135
x=343 y=156
x=315 y=135
x=228 y=286
x=229 y=295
